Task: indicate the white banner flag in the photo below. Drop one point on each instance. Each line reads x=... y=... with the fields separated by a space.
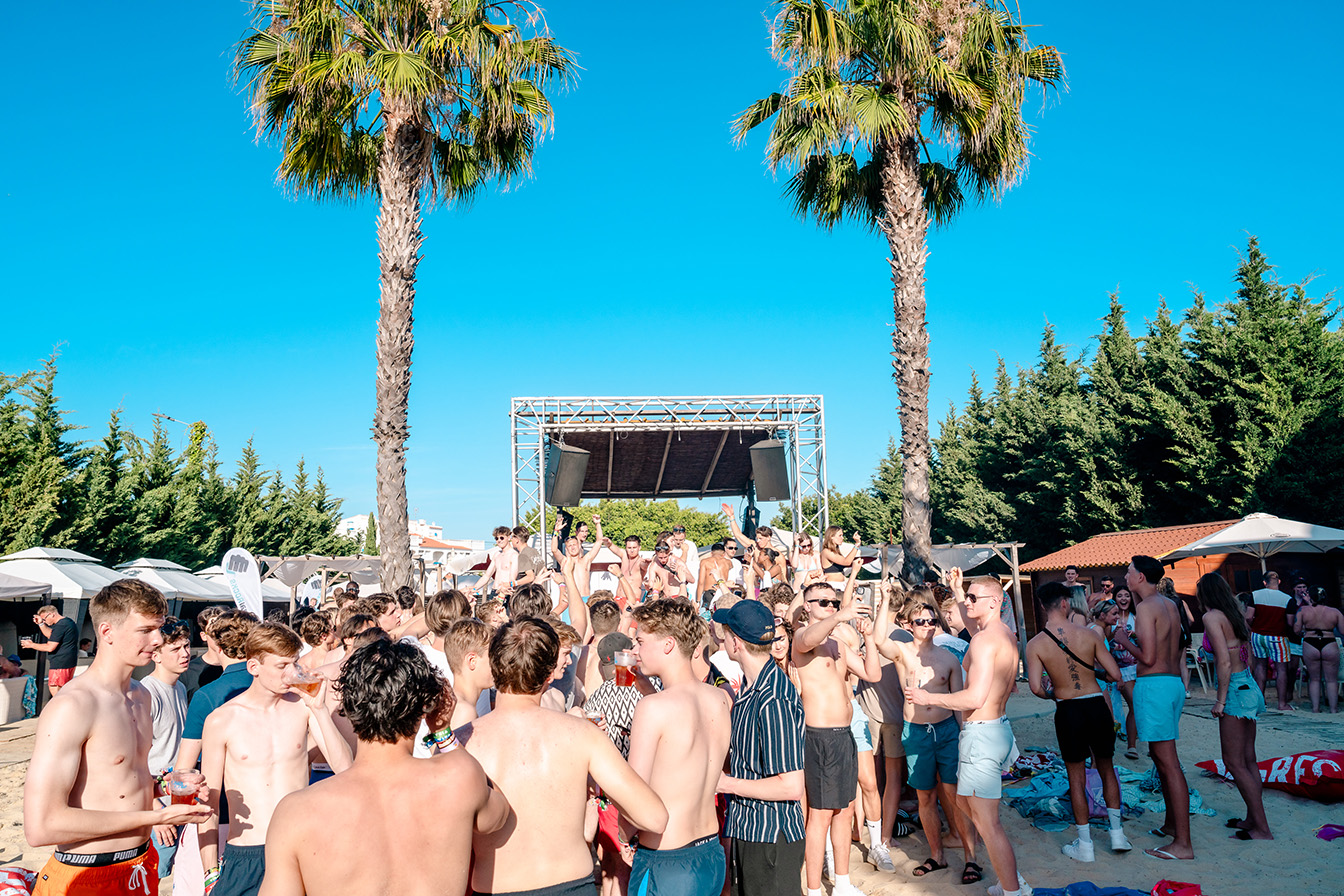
x=243 y=576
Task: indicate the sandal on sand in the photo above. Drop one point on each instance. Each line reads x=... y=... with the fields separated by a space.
x=1132 y=753
x=1242 y=835
x=1162 y=854
x=901 y=829
x=1158 y=832
x=972 y=873
x=1234 y=823
x=929 y=866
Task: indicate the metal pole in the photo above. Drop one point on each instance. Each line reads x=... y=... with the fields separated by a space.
x=1021 y=617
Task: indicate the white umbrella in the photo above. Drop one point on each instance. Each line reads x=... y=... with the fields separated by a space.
x=174 y=580
x=1262 y=535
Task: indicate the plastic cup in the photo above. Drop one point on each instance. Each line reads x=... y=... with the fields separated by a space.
x=625 y=669
x=302 y=680
x=183 y=787
x=597 y=717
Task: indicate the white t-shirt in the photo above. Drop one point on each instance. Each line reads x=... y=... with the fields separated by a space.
x=730 y=668
x=168 y=710
x=439 y=660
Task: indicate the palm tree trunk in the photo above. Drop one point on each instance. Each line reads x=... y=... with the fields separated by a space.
x=399 y=241
x=905 y=224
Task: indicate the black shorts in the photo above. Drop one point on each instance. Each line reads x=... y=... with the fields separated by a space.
x=584 y=886
x=1084 y=728
x=241 y=871
x=830 y=767
x=765 y=869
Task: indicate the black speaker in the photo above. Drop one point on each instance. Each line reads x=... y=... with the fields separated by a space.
x=770 y=469
x=566 y=466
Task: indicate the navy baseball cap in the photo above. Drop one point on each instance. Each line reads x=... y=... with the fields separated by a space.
x=750 y=620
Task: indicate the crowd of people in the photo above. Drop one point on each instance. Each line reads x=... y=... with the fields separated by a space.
x=709 y=725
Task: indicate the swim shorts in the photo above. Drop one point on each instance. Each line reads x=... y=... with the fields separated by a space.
x=858 y=726
x=931 y=752
x=1270 y=647
x=830 y=767
x=101 y=874
x=696 y=869
x=1084 y=728
x=59 y=678
x=584 y=886
x=886 y=736
x=241 y=870
x=1129 y=673
x=1158 y=701
x=1244 y=699
x=986 y=750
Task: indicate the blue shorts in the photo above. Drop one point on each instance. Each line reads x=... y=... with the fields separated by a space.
x=931 y=752
x=858 y=726
x=1158 y=701
x=986 y=750
x=1244 y=699
x=696 y=869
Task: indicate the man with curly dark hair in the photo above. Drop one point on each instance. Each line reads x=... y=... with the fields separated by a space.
x=387 y=688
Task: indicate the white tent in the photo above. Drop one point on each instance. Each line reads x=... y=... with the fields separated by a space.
x=271 y=590
x=1263 y=535
x=174 y=580
x=15 y=588
x=71 y=575
x=294 y=570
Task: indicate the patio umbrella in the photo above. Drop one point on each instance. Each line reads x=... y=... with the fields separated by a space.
x=1262 y=535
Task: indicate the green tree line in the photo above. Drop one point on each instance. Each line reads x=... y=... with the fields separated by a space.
x=1224 y=410
x=125 y=497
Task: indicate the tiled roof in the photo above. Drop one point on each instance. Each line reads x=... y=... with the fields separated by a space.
x=1116 y=548
x=428 y=542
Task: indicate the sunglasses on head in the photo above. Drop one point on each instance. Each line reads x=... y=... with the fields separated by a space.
x=827 y=602
x=926 y=621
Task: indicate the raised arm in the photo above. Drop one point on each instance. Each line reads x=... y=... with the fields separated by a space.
x=814 y=634
x=734 y=528
x=867 y=667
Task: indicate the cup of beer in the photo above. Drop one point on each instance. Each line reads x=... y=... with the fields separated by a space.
x=625 y=668
x=596 y=716
x=183 y=786
x=302 y=679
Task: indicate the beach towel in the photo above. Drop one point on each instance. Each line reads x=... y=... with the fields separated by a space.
x=1318 y=775
x=16 y=881
x=1087 y=888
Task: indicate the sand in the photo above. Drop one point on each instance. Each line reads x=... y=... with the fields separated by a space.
x=1294 y=863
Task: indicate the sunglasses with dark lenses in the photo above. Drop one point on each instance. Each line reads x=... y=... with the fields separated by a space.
x=168 y=629
x=926 y=621
x=827 y=602
x=971 y=598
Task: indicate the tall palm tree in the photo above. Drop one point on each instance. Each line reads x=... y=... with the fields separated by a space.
x=894 y=112
x=415 y=101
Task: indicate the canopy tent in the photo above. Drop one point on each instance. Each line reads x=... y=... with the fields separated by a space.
x=271 y=590
x=1262 y=535
x=16 y=588
x=174 y=580
x=294 y=570
x=71 y=575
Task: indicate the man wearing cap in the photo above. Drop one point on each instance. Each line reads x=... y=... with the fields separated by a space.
x=765 y=783
x=616 y=702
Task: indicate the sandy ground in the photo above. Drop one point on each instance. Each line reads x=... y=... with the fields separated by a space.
x=1295 y=862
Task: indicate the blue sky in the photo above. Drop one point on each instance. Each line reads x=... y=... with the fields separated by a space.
x=143 y=232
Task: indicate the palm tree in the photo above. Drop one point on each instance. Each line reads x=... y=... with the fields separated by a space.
x=894 y=112
x=414 y=101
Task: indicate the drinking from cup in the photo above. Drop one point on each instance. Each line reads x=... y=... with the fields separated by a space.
x=625 y=668
x=303 y=680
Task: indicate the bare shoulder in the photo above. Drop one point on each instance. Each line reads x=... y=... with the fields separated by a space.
x=70 y=715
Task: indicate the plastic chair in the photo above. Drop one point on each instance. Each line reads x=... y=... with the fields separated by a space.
x=1194 y=661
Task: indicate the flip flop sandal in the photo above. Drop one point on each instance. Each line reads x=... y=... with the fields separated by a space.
x=1132 y=753
x=928 y=867
x=1242 y=835
x=1233 y=823
x=1158 y=832
x=901 y=829
x=1163 y=854
x=972 y=873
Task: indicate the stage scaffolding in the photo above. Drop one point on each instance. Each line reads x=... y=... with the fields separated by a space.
x=671 y=447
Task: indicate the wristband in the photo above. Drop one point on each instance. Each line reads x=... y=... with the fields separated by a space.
x=211 y=878
x=440 y=740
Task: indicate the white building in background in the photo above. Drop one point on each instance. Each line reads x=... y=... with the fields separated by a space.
x=354 y=526
x=427 y=541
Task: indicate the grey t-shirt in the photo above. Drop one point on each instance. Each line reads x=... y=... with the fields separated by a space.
x=168 y=708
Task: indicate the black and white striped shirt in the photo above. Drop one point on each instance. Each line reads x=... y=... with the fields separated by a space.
x=767 y=740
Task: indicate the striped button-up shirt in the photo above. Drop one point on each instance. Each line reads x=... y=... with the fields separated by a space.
x=767 y=740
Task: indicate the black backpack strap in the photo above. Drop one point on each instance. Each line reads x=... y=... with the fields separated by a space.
x=1099 y=673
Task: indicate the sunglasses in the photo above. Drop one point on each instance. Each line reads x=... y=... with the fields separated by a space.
x=169 y=629
x=971 y=598
x=926 y=621
x=827 y=602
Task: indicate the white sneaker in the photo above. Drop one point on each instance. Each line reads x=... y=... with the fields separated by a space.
x=846 y=890
x=880 y=856
x=1080 y=851
x=1119 y=842
x=997 y=889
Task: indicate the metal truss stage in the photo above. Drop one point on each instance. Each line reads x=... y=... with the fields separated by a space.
x=667 y=447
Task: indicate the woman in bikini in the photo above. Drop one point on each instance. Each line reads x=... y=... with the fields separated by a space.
x=1129 y=666
x=1239 y=701
x=835 y=561
x=1317 y=624
x=1104 y=615
x=803 y=559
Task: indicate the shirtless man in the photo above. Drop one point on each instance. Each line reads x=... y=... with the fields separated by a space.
x=501 y=565
x=666 y=574
x=633 y=567
x=541 y=762
x=715 y=573
x=678 y=743
x=764 y=562
x=89 y=790
x=467 y=647
x=256 y=746
x=830 y=768
x=1069 y=653
x=1159 y=695
x=389 y=687
x=930 y=734
x=604 y=618
x=986 y=748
